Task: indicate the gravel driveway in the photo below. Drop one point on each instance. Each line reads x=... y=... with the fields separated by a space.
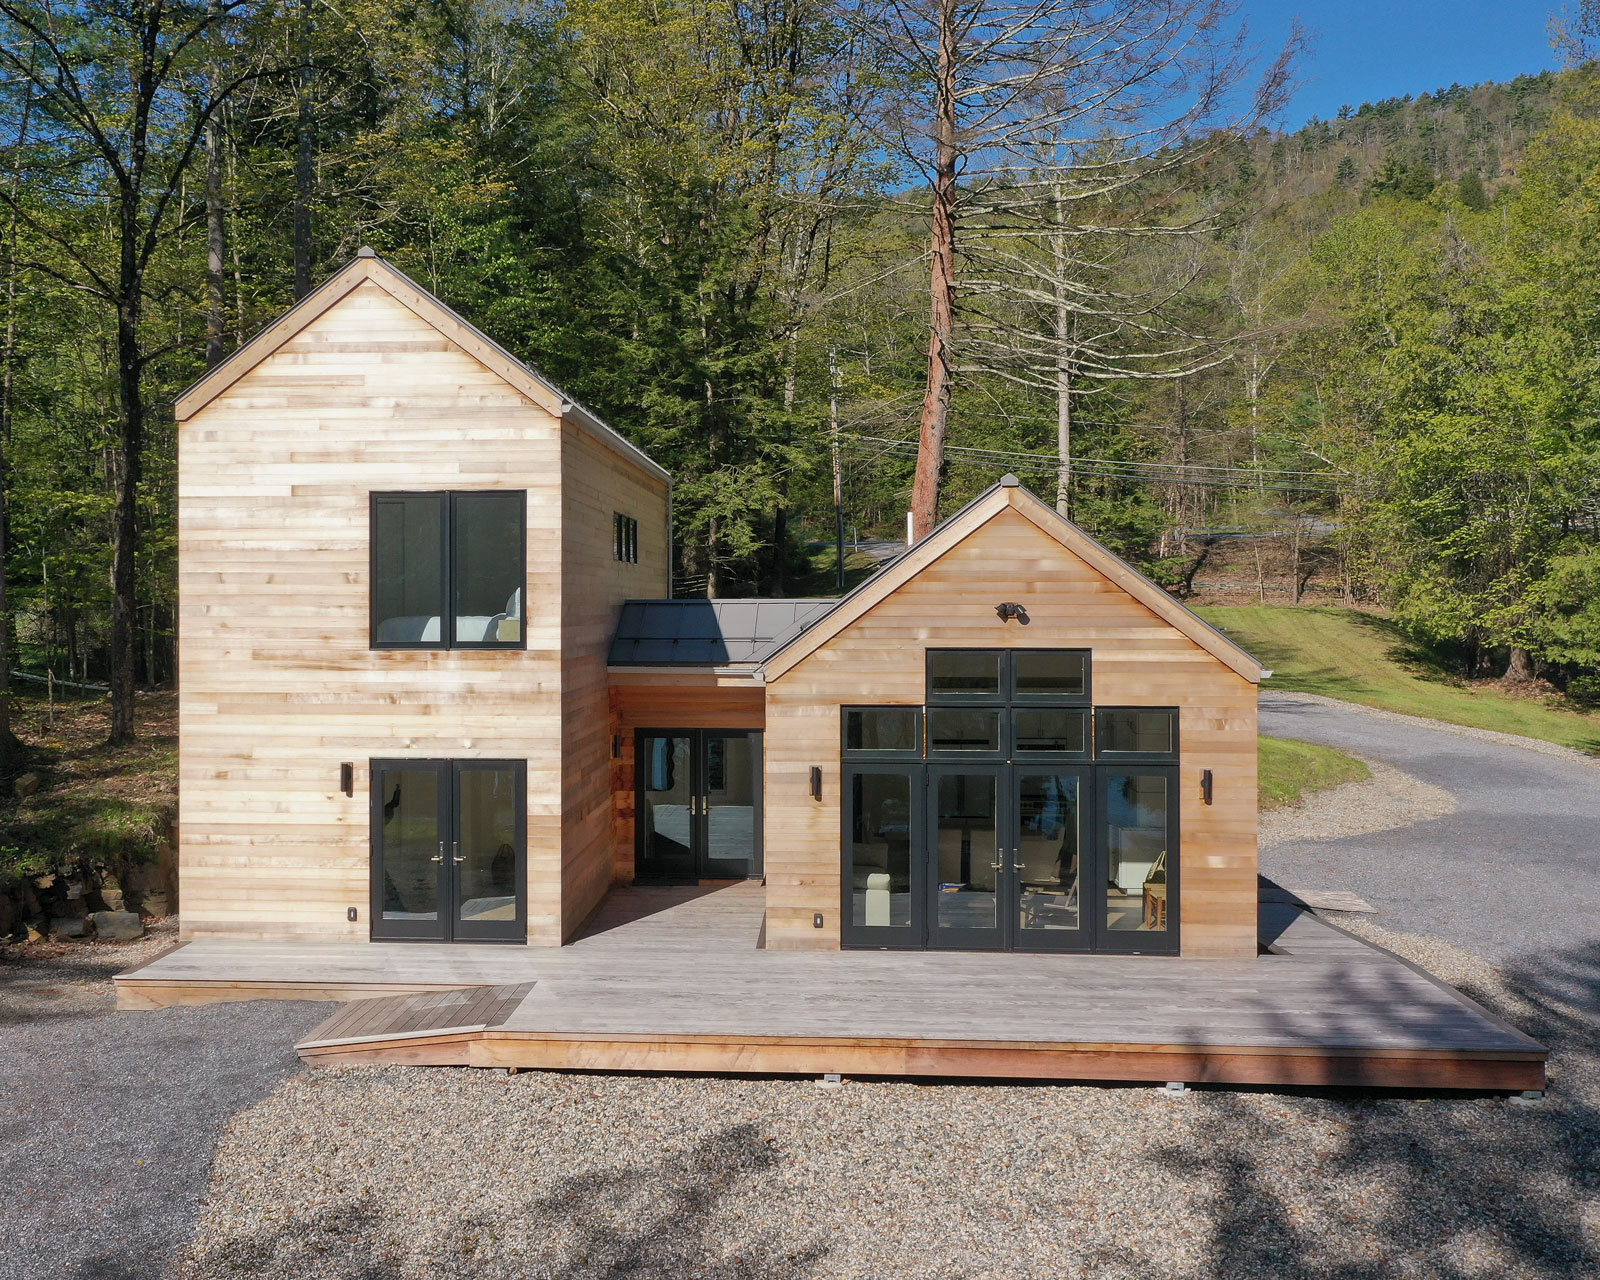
x=1513 y=873
x=108 y=1121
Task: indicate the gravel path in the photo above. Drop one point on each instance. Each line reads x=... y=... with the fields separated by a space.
x=1388 y=799
x=1513 y=872
x=108 y=1121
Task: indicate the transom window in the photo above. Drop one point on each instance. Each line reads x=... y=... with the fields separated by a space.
x=449 y=570
x=1018 y=704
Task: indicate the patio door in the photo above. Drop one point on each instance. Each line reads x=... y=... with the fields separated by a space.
x=449 y=854
x=697 y=805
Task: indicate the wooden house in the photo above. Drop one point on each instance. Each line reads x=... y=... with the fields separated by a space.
x=433 y=686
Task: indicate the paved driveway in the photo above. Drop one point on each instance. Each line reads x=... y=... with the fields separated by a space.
x=1514 y=871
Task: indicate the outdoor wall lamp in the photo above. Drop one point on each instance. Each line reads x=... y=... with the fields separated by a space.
x=816 y=782
x=1010 y=610
x=347 y=778
x=1205 y=785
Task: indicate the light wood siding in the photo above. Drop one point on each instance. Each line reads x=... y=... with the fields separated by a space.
x=595 y=485
x=658 y=701
x=1139 y=659
x=277 y=684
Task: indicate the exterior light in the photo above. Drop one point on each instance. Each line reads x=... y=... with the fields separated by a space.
x=1010 y=610
x=816 y=782
x=347 y=779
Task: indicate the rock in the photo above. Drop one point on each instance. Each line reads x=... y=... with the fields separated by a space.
x=75 y=890
x=116 y=926
x=46 y=881
x=112 y=898
x=34 y=929
x=156 y=904
x=69 y=927
x=26 y=785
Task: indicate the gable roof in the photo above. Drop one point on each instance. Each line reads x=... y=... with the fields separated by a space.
x=1009 y=495
x=367 y=267
x=700 y=633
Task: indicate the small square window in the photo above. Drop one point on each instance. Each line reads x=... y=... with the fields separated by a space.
x=1045 y=729
x=953 y=729
x=625 y=538
x=966 y=675
x=1136 y=731
x=1040 y=674
x=874 y=729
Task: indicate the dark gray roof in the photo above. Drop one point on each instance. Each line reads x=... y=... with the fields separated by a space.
x=714 y=633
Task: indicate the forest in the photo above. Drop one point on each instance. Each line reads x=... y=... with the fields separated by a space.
x=830 y=263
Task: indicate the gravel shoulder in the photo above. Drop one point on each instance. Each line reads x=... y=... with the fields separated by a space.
x=413 y=1172
x=108 y=1120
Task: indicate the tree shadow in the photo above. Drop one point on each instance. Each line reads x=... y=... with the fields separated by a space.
x=1457 y=1186
x=645 y=1219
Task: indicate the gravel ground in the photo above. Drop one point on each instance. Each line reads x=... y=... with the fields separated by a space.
x=402 y=1172
x=1389 y=799
x=108 y=1121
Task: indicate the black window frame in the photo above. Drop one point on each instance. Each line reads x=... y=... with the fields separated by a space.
x=624 y=538
x=1045 y=757
x=447 y=610
x=1135 y=757
x=919 y=733
x=1006 y=694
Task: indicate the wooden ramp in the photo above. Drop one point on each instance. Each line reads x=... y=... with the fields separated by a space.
x=432 y=1029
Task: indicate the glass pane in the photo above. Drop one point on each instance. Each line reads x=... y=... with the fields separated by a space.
x=1048 y=730
x=1045 y=672
x=488 y=554
x=1136 y=850
x=963 y=730
x=1147 y=732
x=1047 y=851
x=731 y=782
x=964 y=673
x=668 y=783
x=968 y=845
x=407 y=568
x=409 y=843
x=880 y=849
x=487 y=872
x=881 y=729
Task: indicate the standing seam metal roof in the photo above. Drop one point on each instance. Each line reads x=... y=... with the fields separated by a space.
x=714 y=633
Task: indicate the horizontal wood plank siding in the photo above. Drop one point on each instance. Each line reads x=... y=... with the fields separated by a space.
x=1138 y=659
x=277 y=684
x=596 y=486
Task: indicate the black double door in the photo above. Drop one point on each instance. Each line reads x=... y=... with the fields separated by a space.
x=1011 y=857
x=449 y=850
x=697 y=805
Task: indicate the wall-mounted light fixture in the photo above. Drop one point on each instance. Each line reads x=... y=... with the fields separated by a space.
x=1205 y=785
x=1009 y=610
x=347 y=778
x=816 y=782
x=616 y=746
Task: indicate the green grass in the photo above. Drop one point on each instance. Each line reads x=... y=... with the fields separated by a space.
x=1291 y=769
x=1359 y=657
x=820 y=578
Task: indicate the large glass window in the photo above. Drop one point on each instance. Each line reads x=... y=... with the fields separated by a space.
x=1136 y=731
x=962 y=729
x=964 y=674
x=883 y=729
x=1050 y=674
x=449 y=570
x=880 y=848
x=1037 y=730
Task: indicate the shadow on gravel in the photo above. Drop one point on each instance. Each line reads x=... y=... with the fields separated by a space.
x=1454 y=1187
x=659 y=1220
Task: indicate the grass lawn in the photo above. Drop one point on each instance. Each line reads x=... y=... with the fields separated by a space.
x=1359 y=657
x=820 y=578
x=1290 y=769
x=95 y=800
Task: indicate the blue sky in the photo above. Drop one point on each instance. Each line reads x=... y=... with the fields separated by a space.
x=1363 y=50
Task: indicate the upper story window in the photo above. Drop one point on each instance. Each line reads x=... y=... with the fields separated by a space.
x=449 y=570
x=625 y=538
x=1039 y=677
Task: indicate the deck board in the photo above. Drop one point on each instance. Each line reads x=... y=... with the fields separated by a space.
x=673 y=979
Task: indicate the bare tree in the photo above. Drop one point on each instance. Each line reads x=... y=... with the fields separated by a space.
x=1034 y=123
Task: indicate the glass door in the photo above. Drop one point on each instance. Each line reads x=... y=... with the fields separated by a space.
x=449 y=855
x=730 y=805
x=1050 y=851
x=965 y=852
x=697 y=805
x=884 y=885
x=1136 y=881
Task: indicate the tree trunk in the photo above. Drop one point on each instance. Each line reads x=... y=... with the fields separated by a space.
x=941 y=310
x=1519 y=670
x=127 y=465
x=216 y=233
x=10 y=747
x=303 y=160
x=1064 y=327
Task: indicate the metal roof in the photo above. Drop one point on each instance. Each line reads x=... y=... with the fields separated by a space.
x=709 y=633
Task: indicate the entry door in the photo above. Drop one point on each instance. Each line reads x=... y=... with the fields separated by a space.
x=697 y=807
x=965 y=856
x=449 y=856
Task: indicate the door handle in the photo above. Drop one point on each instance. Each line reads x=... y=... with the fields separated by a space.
x=439 y=857
x=455 y=850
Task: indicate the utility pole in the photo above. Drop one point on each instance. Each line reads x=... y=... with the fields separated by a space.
x=838 y=486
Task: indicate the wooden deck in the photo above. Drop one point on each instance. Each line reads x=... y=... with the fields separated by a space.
x=675 y=980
